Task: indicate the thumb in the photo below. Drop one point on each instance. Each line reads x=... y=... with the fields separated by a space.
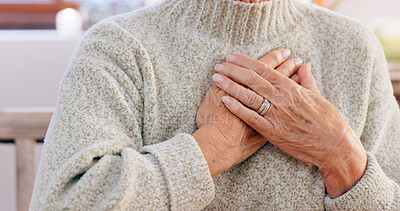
x=306 y=79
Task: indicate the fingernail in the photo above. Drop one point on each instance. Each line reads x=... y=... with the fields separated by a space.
x=285 y=53
x=226 y=100
x=217 y=78
x=230 y=58
x=298 y=62
x=219 y=67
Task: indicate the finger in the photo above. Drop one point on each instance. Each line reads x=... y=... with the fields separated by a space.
x=249 y=63
x=289 y=67
x=275 y=58
x=244 y=95
x=232 y=70
x=272 y=60
x=250 y=117
x=249 y=78
x=306 y=79
x=295 y=78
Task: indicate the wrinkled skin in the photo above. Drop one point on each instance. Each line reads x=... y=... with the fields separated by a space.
x=300 y=121
x=237 y=140
x=224 y=139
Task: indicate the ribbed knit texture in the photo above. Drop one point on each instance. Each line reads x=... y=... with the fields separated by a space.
x=120 y=137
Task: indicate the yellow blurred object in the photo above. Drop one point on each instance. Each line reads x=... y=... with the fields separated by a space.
x=320 y=3
x=388 y=32
x=330 y=4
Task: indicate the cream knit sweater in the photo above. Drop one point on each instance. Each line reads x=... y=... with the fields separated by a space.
x=120 y=138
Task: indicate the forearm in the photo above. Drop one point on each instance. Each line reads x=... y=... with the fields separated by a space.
x=207 y=137
x=346 y=164
x=375 y=191
x=94 y=155
x=378 y=189
x=109 y=175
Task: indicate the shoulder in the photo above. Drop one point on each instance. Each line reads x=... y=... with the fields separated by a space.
x=107 y=32
x=138 y=24
x=133 y=31
x=341 y=31
x=108 y=48
x=343 y=39
x=112 y=38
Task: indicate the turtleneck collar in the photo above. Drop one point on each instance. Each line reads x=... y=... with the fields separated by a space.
x=236 y=22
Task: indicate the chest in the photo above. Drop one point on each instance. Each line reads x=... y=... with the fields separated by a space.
x=180 y=79
x=182 y=69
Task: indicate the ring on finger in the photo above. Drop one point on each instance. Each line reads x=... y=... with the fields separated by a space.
x=264 y=107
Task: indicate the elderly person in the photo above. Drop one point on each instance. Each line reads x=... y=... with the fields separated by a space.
x=140 y=126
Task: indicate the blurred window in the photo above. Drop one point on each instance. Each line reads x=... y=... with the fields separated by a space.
x=31 y=14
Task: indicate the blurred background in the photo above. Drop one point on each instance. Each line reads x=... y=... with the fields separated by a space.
x=37 y=40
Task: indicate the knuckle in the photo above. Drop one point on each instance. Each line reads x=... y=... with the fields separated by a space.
x=229 y=87
x=280 y=133
x=291 y=63
x=254 y=119
x=268 y=68
x=252 y=100
x=228 y=67
x=252 y=80
x=241 y=93
x=273 y=78
x=261 y=69
x=276 y=56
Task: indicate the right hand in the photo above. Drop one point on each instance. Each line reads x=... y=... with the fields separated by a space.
x=224 y=139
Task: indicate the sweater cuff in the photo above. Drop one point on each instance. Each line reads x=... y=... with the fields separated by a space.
x=375 y=191
x=186 y=172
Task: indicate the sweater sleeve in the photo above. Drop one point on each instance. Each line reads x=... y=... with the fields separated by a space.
x=93 y=156
x=379 y=187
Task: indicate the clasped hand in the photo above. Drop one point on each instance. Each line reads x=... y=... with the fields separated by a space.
x=300 y=121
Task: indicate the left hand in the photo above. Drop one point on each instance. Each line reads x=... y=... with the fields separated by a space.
x=300 y=121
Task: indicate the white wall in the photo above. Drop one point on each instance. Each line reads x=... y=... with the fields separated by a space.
x=31 y=66
x=366 y=10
